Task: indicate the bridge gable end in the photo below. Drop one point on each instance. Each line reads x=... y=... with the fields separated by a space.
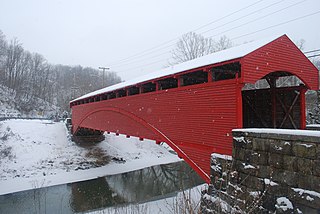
x=279 y=55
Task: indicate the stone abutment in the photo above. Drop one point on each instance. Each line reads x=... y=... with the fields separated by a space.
x=270 y=170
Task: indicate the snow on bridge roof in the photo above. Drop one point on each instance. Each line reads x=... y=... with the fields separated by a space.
x=220 y=56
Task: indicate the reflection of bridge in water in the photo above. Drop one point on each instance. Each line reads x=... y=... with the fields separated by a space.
x=132 y=187
x=194 y=106
x=153 y=182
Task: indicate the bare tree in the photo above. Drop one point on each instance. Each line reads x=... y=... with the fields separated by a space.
x=192 y=45
x=3 y=50
x=300 y=44
x=316 y=62
x=3 y=44
x=37 y=83
x=13 y=64
x=223 y=43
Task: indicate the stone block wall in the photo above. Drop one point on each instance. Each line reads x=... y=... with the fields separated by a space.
x=270 y=170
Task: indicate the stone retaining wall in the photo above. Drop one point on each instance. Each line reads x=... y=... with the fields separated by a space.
x=270 y=170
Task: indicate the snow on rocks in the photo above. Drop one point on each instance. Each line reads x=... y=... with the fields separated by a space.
x=248 y=166
x=306 y=145
x=304 y=191
x=224 y=157
x=39 y=153
x=241 y=140
x=284 y=204
x=269 y=182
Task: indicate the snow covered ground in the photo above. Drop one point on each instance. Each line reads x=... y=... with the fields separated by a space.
x=39 y=153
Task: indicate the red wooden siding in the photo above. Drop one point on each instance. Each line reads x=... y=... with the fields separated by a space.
x=198 y=119
x=279 y=55
x=195 y=120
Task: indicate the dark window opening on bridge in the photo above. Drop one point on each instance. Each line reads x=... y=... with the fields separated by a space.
x=226 y=72
x=111 y=95
x=133 y=90
x=193 y=78
x=103 y=97
x=168 y=83
x=148 y=87
x=122 y=93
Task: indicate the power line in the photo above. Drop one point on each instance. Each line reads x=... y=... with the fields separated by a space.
x=171 y=40
x=273 y=26
x=313 y=56
x=244 y=16
x=120 y=64
x=270 y=5
x=262 y=17
x=140 y=66
x=145 y=54
x=124 y=64
x=228 y=15
x=218 y=33
x=312 y=51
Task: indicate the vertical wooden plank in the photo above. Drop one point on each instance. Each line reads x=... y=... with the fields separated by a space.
x=303 y=108
x=239 y=103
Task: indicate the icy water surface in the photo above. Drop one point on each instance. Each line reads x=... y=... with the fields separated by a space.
x=132 y=187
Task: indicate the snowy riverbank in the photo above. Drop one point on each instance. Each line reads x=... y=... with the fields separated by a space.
x=39 y=153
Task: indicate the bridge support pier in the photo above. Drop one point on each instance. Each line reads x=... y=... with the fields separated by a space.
x=85 y=135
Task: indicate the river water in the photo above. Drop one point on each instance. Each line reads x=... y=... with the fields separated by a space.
x=139 y=186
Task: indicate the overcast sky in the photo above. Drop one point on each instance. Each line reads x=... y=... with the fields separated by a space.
x=103 y=32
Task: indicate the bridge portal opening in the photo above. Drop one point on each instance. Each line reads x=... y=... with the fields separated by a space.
x=275 y=101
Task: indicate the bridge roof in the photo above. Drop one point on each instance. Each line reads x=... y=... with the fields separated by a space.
x=217 y=57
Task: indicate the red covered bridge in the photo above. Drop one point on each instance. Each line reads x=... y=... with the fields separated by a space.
x=194 y=106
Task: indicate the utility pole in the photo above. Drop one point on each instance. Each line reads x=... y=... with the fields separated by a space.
x=74 y=87
x=103 y=70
